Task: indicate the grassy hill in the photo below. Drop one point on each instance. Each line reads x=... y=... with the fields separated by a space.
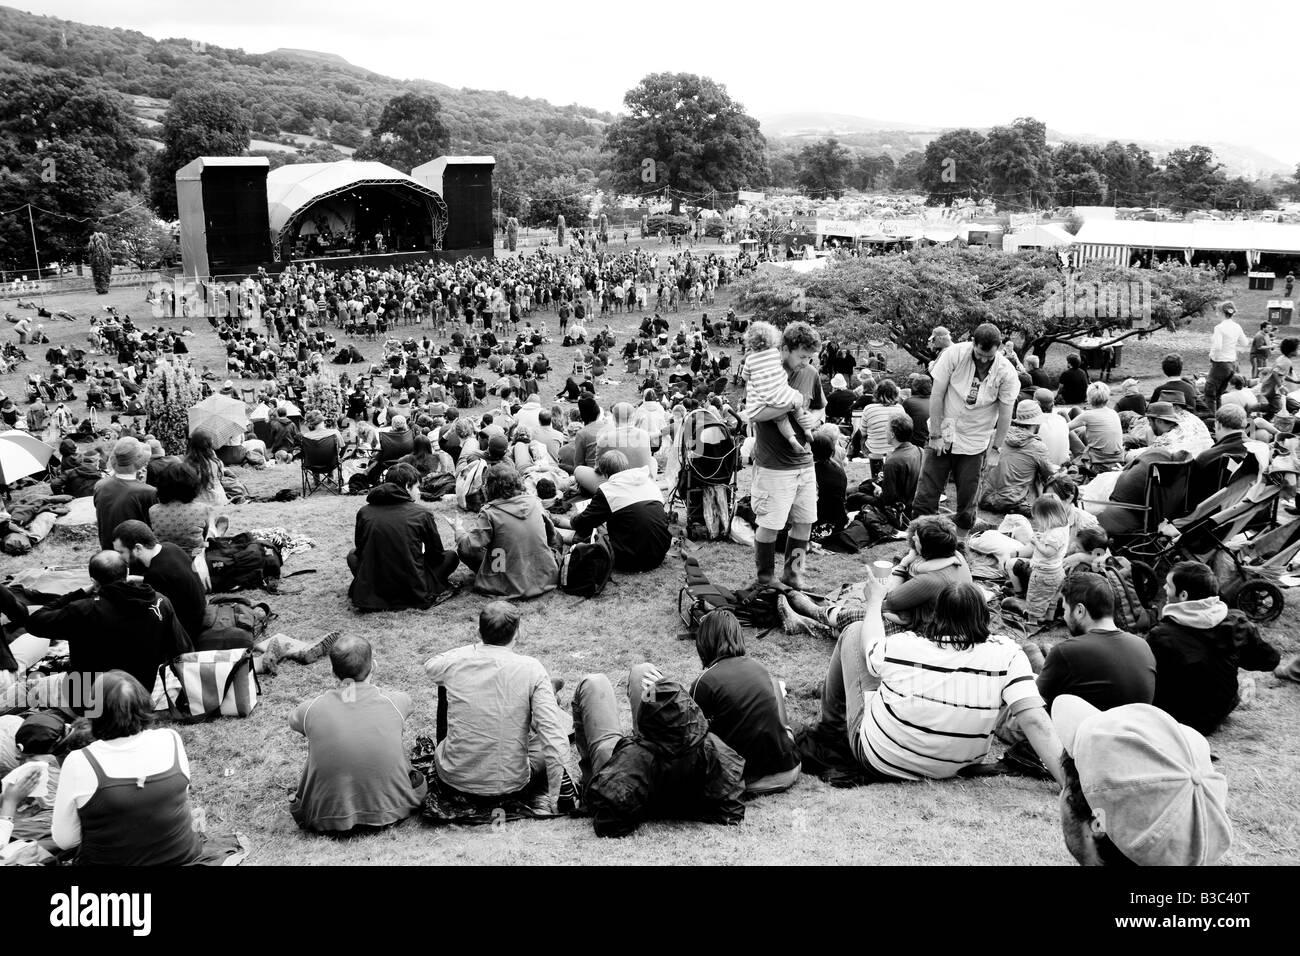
x=303 y=92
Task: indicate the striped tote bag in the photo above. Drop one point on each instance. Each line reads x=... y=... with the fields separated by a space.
x=201 y=685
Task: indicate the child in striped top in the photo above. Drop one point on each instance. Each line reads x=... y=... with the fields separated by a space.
x=767 y=384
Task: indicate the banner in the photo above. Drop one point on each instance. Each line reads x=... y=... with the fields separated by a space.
x=745 y=195
x=1023 y=220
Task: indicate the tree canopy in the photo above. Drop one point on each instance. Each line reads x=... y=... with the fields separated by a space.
x=204 y=121
x=684 y=132
x=410 y=131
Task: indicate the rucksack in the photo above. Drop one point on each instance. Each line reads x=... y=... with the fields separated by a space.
x=754 y=606
x=586 y=567
x=469 y=484
x=231 y=622
x=241 y=562
x=1130 y=615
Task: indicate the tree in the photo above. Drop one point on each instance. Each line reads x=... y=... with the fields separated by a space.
x=1241 y=193
x=66 y=184
x=410 y=131
x=1192 y=178
x=201 y=121
x=1292 y=187
x=907 y=174
x=559 y=196
x=1019 y=165
x=824 y=168
x=873 y=172
x=101 y=262
x=1079 y=181
x=901 y=298
x=135 y=235
x=685 y=132
x=953 y=167
x=1128 y=172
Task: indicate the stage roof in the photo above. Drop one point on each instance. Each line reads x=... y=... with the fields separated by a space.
x=1232 y=236
x=294 y=186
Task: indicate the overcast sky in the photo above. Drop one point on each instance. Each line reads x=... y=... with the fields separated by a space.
x=1131 y=69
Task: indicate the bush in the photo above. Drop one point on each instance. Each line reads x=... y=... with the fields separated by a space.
x=170 y=391
x=670 y=224
x=323 y=393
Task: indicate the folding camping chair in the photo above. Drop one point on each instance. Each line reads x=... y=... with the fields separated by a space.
x=321 y=468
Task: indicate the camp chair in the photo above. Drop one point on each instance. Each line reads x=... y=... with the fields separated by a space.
x=321 y=467
x=1165 y=497
x=248 y=394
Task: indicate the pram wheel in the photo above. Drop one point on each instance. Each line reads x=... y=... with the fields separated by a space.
x=1261 y=601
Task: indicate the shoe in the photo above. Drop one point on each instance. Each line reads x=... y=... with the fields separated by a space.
x=803 y=605
x=310 y=655
x=821 y=753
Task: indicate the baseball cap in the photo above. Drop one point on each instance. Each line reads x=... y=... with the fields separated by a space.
x=39 y=733
x=1151 y=778
x=497 y=447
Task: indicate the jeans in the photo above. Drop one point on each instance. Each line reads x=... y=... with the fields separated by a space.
x=1217 y=381
x=844 y=695
x=596 y=727
x=965 y=471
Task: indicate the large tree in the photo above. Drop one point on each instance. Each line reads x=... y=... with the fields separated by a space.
x=560 y=196
x=202 y=121
x=824 y=168
x=1079 y=180
x=1192 y=178
x=685 y=132
x=410 y=131
x=901 y=298
x=953 y=167
x=1018 y=162
x=872 y=172
x=1128 y=171
x=907 y=174
x=135 y=235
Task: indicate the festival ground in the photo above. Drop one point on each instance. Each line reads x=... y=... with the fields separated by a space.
x=244 y=771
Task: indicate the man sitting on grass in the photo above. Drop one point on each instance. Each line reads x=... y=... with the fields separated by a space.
x=505 y=735
x=165 y=568
x=358 y=776
x=1198 y=645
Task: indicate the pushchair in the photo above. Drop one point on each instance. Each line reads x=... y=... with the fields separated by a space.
x=1212 y=535
x=707 y=461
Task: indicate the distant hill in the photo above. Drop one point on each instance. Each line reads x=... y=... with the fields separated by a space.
x=306 y=93
x=891 y=136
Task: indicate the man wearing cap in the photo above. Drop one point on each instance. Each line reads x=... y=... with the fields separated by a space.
x=1140 y=788
x=840 y=402
x=1229 y=339
x=1188 y=432
x=940 y=338
x=970 y=410
x=123 y=496
x=1131 y=400
x=1024 y=466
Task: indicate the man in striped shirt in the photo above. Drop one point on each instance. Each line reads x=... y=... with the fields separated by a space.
x=919 y=706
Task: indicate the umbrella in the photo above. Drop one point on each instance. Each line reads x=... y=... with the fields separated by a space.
x=21 y=455
x=226 y=418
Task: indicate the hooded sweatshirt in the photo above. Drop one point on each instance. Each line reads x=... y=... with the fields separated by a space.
x=1021 y=470
x=511 y=547
x=631 y=505
x=398 y=551
x=671 y=768
x=1198 y=646
x=125 y=625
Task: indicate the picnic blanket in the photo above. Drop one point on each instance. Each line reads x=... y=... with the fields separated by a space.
x=443 y=805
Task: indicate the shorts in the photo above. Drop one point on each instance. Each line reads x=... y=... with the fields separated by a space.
x=782 y=497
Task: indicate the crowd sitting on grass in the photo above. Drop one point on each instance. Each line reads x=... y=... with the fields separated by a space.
x=931 y=662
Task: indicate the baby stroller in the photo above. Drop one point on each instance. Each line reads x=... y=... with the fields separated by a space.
x=706 y=460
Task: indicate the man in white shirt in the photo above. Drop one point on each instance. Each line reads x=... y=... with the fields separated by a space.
x=1053 y=430
x=1228 y=340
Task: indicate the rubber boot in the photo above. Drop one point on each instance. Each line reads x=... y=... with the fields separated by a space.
x=792 y=576
x=765 y=560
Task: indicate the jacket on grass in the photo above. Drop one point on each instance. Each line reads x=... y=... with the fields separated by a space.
x=671 y=768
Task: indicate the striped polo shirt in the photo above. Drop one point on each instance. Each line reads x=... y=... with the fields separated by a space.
x=937 y=706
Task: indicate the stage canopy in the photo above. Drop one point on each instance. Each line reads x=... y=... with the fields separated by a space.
x=360 y=199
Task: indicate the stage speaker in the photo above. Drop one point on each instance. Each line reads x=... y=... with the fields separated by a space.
x=225 y=224
x=465 y=184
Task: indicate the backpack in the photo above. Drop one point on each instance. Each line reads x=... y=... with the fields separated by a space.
x=240 y=562
x=434 y=486
x=754 y=606
x=1130 y=615
x=586 y=568
x=231 y=622
x=469 y=484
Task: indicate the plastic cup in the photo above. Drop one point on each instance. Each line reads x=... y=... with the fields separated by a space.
x=882 y=569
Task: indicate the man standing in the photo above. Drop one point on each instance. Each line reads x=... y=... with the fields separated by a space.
x=784 y=486
x=1228 y=340
x=970 y=408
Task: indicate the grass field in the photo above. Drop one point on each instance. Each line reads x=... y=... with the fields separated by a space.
x=245 y=770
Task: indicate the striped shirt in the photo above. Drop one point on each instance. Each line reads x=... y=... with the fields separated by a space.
x=937 y=706
x=767 y=381
x=874 y=426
